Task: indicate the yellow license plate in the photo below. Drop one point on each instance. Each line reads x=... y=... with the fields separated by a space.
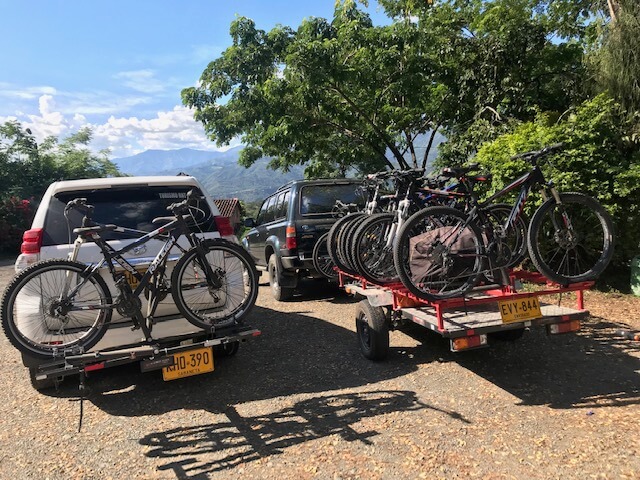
x=188 y=363
x=519 y=310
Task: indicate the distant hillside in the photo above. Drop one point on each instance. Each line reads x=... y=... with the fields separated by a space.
x=152 y=162
x=219 y=172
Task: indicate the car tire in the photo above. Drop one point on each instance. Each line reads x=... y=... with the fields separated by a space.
x=280 y=293
x=372 y=328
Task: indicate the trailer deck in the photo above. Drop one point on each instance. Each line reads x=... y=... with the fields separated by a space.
x=499 y=310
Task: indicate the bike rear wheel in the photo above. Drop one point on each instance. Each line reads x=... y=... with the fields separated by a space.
x=321 y=260
x=41 y=320
x=571 y=241
x=371 y=256
x=219 y=302
x=333 y=239
x=439 y=254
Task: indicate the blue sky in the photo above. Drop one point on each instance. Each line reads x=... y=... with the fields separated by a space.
x=119 y=66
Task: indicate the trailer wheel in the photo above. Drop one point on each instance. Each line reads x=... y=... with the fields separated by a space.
x=373 y=331
x=228 y=349
x=45 y=384
x=508 y=335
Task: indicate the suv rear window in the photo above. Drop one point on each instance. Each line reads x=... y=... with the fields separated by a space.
x=126 y=207
x=320 y=199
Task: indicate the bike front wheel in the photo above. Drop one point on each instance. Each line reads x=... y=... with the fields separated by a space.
x=571 y=241
x=54 y=307
x=223 y=300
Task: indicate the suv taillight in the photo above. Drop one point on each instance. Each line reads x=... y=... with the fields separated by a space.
x=291 y=241
x=224 y=226
x=32 y=241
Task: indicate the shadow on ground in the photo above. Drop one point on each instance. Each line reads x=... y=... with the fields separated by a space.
x=594 y=368
x=238 y=440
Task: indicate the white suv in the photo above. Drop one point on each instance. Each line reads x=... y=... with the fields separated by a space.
x=131 y=202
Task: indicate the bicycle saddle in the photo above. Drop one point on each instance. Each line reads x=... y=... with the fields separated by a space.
x=457 y=172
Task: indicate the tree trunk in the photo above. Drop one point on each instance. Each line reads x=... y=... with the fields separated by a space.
x=614 y=9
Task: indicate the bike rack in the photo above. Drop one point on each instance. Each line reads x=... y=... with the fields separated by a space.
x=150 y=355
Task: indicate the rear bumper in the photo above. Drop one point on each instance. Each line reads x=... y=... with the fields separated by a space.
x=296 y=263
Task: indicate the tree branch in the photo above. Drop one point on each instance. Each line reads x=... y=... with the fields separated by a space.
x=391 y=146
x=429 y=145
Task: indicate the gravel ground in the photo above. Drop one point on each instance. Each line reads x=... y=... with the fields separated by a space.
x=300 y=402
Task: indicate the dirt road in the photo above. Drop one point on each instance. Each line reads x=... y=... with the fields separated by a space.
x=300 y=402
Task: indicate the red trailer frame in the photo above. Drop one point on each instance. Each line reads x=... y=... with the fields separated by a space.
x=479 y=313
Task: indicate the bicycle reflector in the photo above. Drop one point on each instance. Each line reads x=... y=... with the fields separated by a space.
x=32 y=241
x=291 y=241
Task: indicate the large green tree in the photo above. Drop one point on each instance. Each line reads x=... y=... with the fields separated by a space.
x=347 y=93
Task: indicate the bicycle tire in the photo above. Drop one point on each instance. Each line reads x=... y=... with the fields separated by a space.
x=370 y=256
x=583 y=239
x=207 y=307
x=454 y=268
x=29 y=319
x=333 y=239
x=321 y=260
x=345 y=250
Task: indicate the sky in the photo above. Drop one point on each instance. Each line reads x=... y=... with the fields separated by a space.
x=119 y=66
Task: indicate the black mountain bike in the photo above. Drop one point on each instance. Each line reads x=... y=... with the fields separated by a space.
x=443 y=252
x=59 y=306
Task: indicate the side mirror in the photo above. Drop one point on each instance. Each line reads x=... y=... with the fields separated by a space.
x=249 y=222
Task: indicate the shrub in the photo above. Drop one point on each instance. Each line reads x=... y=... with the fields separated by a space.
x=15 y=217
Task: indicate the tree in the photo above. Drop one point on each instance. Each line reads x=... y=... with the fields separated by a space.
x=349 y=94
x=27 y=169
x=617 y=61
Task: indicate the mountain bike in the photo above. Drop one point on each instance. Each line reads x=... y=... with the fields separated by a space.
x=442 y=252
x=57 y=306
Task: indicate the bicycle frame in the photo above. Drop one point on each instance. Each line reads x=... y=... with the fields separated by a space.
x=172 y=231
x=526 y=182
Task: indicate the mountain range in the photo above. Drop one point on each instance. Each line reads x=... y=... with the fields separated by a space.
x=219 y=172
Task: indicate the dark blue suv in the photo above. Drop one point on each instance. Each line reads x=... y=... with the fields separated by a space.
x=289 y=222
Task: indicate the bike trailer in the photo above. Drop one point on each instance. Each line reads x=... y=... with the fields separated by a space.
x=469 y=322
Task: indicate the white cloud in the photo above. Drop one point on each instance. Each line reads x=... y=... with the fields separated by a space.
x=27 y=93
x=123 y=136
x=168 y=130
x=142 y=81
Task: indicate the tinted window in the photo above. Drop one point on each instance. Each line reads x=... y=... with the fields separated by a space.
x=320 y=199
x=270 y=215
x=262 y=212
x=132 y=207
x=282 y=205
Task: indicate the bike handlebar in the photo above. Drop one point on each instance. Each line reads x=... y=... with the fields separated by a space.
x=184 y=205
x=536 y=154
x=79 y=204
